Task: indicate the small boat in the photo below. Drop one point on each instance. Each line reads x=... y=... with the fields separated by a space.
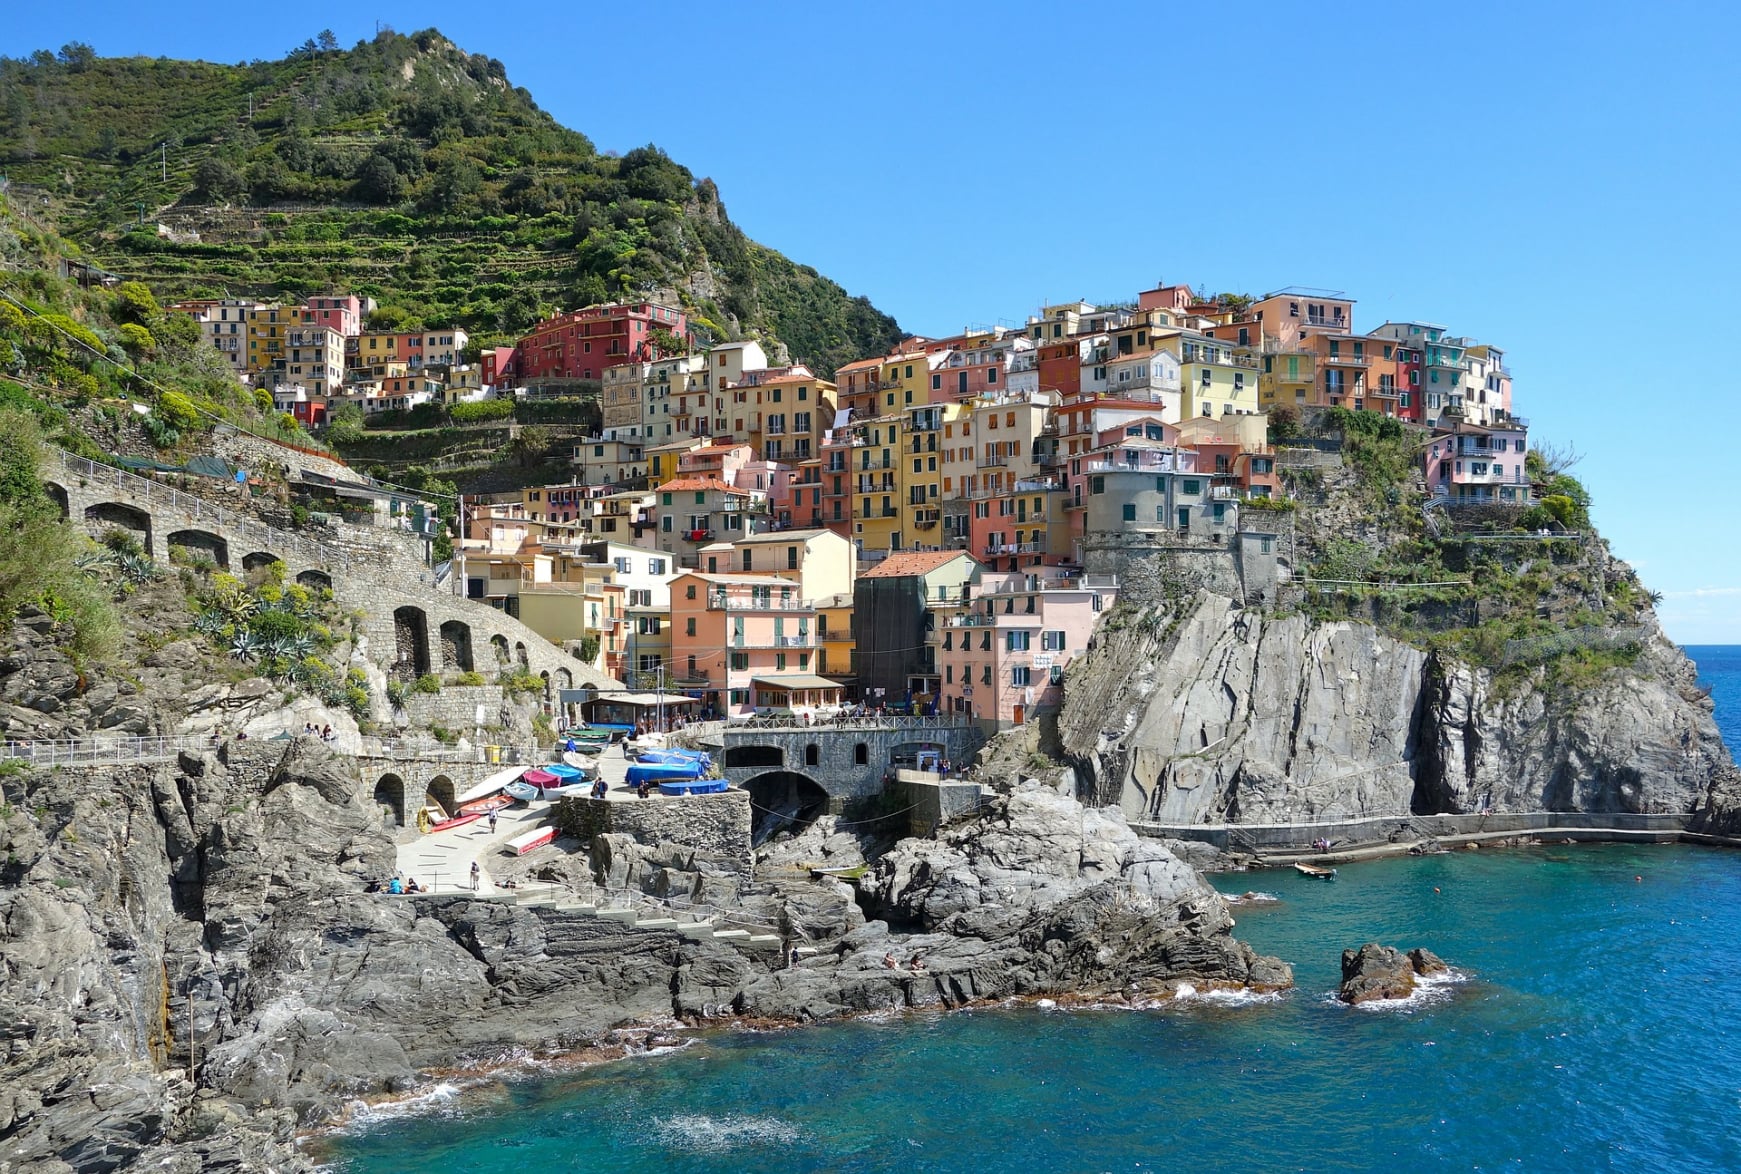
x=524 y=792
x=675 y=756
x=484 y=806
x=456 y=821
x=1316 y=872
x=592 y=748
x=693 y=786
x=585 y=763
x=664 y=772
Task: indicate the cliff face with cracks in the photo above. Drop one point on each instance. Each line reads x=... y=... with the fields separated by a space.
x=190 y=969
x=1209 y=713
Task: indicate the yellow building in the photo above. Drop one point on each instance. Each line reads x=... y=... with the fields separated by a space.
x=267 y=326
x=877 y=485
x=834 y=637
x=1216 y=378
x=1286 y=380
x=924 y=466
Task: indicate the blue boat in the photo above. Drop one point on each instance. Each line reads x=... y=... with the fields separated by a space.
x=675 y=756
x=565 y=775
x=663 y=772
x=693 y=787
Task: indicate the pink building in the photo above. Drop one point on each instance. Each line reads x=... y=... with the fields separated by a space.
x=1002 y=651
x=1476 y=463
x=343 y=314
x=743 y=644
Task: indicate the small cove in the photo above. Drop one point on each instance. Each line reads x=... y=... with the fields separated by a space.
x=1593 y=1032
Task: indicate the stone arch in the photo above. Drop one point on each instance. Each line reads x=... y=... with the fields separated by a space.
x=259 y=560
x=544 y=676
x=564 y=679
x=201 y=542
x=441 y=792
x=760 y=755
x=784 y=798
x=812 y=754
x=520 y=655
x=860 y=754
x=108 y=515
x=456 y=646
x=390 y=796
x=315 y=580
x=410 y=641
x=57 y=494
x=499 y=644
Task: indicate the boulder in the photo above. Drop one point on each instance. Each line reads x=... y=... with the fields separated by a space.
x=1384 y=972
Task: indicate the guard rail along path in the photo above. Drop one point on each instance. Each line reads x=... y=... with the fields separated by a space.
x=94 y=478
x=103 y=751
x=1595 y=639
x=413 y=629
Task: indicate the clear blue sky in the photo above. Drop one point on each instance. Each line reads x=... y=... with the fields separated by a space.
x=1559 y=180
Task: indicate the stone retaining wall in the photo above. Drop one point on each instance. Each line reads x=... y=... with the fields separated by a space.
x=717 y=825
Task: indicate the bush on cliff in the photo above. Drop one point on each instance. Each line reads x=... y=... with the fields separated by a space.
x=39 y=554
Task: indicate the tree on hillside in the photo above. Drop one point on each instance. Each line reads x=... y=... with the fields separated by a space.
x=379 y=181
x=327 y=42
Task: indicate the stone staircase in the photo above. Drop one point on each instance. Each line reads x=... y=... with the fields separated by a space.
x=696 y=928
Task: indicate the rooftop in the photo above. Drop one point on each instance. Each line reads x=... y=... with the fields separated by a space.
x=901 y=563
x=783 y=536
x=700 y=484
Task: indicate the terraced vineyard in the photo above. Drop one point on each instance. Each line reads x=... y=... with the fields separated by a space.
x=403 y=168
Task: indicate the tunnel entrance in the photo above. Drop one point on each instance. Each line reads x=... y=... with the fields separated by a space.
x=783 y=800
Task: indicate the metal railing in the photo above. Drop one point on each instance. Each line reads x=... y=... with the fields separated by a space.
x=102 y=751
x=157 y=494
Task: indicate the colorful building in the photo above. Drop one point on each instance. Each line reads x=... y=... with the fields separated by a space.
x=744 y=644
x=1471 y=463
x=583 y=344
x=1002 y=646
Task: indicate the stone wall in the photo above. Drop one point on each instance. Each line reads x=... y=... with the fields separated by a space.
x=716 y=825
x=250 y=453
x=933 y=802
x=455 y=707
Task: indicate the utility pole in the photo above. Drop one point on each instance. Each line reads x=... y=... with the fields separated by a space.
x=661 y=695
x=164 y=148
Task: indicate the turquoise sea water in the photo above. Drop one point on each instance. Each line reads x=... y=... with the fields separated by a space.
x=1595 y=1031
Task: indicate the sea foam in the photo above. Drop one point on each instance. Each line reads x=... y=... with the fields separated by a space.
x=704 y=1134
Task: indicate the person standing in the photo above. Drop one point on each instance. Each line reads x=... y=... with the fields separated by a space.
x=492 y=821
x=474 y=876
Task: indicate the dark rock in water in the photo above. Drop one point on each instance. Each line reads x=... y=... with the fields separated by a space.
x=1427 y=962
x=1384 y=972
x=1375 y=972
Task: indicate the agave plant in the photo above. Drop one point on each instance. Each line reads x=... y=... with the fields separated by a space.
x=302 y=645
x=275 y=647
x=136 y=568
x=244 y=645
x=209 y=623
x=234 y=602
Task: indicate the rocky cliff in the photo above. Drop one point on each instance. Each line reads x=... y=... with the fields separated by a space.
x=1207 y=712
x=191 y=970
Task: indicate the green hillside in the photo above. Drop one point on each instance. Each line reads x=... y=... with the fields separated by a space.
x=403 y=168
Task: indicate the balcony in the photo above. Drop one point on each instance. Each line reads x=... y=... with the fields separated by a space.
x=801 y=641
x=1346 y=360
x=719 y=601
x=925 y=519
x=992 y=462
x=1014 y=548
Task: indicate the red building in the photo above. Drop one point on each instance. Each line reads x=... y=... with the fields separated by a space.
x=1061 y=366
x=581 y=344
x=496 y=366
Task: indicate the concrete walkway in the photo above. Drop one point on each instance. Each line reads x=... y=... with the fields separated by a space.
x=441 y=861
